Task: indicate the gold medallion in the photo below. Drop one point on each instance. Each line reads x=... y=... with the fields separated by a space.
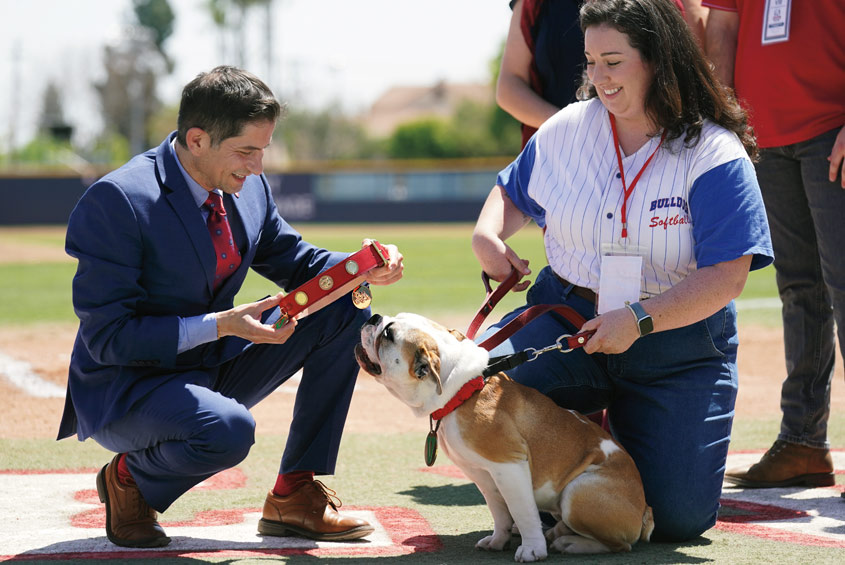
x=361 y=296
x=351 y=267
x=326 y=282
x=301 y=298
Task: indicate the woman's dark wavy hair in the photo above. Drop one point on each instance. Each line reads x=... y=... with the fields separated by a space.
x=224 y=100
x=685 y=90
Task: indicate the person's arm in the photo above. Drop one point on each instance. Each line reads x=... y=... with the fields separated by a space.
x=837 y=158
x=499 y=219
x=721 y=33
x=696 y=16
x=699 y=295
x=513 y=88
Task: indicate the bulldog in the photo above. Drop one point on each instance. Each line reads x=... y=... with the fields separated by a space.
x=524 y=453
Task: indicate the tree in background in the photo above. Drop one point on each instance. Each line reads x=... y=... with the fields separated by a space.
x=128 y=93
x=52 y=119
x=475 y=130
x=51 y=145
x=325 y=135
x=157 y=17
x=230 y=18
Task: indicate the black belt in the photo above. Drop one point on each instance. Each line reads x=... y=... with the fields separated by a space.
x=581 y=291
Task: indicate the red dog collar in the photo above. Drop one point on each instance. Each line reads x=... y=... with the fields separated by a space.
x=462 y=396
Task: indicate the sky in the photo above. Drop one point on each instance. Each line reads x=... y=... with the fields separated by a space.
x=342 y=52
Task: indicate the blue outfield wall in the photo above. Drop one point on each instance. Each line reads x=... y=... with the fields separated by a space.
x=427 y=195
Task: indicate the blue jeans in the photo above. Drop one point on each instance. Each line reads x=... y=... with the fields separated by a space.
x=670 y=401
x=199 y=422
x=806 y=215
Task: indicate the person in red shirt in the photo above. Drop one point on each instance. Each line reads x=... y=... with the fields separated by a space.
x=787 y=64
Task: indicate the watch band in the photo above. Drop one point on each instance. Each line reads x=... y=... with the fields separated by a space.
x=645 y=325
x=333 y=283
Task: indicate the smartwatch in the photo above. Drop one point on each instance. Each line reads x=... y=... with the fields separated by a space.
x=644 y=322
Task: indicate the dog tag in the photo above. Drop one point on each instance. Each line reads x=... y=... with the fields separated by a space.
x=431 y=448
x=431 y=442
x=361 y=296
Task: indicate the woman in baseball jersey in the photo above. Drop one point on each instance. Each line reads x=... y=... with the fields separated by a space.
x=652 y=219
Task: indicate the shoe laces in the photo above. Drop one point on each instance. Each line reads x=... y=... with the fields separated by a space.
x=776 y=448
x=329 y=494
x=145 y=511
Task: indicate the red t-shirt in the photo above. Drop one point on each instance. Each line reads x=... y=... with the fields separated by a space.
x=794 y=90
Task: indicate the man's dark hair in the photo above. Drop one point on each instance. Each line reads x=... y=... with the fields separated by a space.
x=685 y=90
x=224 y=100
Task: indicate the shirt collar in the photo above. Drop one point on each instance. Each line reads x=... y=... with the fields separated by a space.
x=198 y=192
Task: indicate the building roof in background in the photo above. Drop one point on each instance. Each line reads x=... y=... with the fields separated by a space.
x=402 y=104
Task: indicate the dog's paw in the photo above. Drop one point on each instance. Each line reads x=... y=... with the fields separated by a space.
x=578 y=544
x=494 y=542
x=529 y=553
x=560 y=529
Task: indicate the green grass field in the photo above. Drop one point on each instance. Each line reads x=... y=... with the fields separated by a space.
x=442 y=276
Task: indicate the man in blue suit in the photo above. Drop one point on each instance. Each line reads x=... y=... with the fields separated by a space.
x=164 y=369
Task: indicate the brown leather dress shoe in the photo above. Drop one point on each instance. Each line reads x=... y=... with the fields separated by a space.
x=130 y=522
x=786 y=465
x=310 y=511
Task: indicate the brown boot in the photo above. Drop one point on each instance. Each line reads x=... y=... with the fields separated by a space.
x=310 y=511
x=785 y=465
x=130 y=522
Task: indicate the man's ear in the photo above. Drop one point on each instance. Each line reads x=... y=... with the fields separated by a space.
x=197 y=140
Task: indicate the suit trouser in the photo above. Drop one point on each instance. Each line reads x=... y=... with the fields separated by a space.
x=199 y=423
x=805 y=212
x=670 y=400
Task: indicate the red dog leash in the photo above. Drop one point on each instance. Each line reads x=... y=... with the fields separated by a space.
x=507 y=361
x=493 y=298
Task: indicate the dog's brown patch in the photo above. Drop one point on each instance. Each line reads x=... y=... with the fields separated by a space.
x=501 y=424
x=421 y=349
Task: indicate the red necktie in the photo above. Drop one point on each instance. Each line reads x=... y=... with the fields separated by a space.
x=228 y=256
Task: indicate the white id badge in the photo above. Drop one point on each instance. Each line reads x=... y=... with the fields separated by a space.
x=621 y=277
x=776 y=18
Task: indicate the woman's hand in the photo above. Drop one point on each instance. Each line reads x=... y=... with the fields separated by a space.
x=497 y=259
x=616 y=331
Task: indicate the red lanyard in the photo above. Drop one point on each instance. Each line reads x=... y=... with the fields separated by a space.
x=628 y=189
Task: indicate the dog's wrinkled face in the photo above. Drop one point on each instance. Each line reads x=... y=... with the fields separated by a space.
x=414 y=357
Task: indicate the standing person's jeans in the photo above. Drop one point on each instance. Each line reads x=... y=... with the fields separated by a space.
x=807 y=219
x=670 y=401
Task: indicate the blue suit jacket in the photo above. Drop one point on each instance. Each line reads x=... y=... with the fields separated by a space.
x=145 y=259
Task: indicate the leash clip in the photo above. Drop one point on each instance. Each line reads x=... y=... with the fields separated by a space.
x=558 y=344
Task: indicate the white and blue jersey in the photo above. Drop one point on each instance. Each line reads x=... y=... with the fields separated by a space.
x=692 y=207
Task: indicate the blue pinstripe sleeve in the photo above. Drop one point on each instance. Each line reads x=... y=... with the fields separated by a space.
x=514 y=179
x=729 y=219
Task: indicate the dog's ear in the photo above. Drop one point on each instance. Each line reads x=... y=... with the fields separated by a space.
x=427 y=364
x=457 y=334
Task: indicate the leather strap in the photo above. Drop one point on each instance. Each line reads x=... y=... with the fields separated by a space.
x=587 y=294
x=332 y=283
x=524 y=318
x=492 y=298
